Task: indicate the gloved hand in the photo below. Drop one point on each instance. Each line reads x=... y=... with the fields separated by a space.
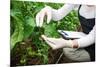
x=47 y=11
x=57 y=43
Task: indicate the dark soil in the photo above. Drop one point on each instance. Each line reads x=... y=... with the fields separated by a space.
x=20 y=49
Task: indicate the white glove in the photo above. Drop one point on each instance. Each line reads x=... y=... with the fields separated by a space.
x=57 y=43
x=47 y=11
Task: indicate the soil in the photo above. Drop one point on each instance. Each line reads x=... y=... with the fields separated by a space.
x=53 y=56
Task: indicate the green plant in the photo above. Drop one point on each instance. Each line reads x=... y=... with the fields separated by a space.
x=26 y=41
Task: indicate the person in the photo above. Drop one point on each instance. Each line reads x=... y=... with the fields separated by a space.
x=82 y=49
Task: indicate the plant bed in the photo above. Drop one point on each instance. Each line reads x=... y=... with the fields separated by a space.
x=27 y=46
x=22 y=55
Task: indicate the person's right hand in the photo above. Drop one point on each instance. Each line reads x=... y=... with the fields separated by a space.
x=47 y=11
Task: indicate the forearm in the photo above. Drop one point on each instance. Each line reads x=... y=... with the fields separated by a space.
x=62 y=12
x=87 y=40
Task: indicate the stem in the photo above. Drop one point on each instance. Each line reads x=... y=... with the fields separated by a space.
x=59 y=58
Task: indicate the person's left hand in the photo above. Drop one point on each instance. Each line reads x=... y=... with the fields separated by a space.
x=57 y=43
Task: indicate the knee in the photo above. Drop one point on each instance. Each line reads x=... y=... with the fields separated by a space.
x=76 y=55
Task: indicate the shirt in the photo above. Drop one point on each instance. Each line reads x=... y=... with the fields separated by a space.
x=85 y=11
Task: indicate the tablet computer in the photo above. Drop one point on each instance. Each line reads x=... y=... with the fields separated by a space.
x=71 y=34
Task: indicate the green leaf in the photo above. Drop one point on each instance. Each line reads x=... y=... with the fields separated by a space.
x=28 y=27
x=17 y=36
x=50 y=30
